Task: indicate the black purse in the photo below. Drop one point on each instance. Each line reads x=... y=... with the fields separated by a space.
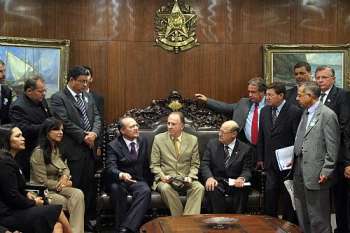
x=38 y=190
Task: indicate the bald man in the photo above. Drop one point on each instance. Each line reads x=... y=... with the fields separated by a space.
x=226 y=157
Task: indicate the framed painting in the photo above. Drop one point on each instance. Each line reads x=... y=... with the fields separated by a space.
x=279 y=61
x=25 y=56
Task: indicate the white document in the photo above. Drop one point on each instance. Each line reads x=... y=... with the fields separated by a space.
x=231 y=182
x=284 y=157
x=290 y=189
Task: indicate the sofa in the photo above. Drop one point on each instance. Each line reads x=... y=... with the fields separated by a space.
x=151 y=125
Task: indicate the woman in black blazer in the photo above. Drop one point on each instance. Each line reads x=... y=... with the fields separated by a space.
x=19 y=209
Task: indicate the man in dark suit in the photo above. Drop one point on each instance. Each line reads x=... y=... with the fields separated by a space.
x=99 y=100
x=302 y=73
x=245 y=112
x=316 y=150
x=338 y=100
x=227 y=158
x=128 y=173
x=279 y=121
x=5 y=96
x=82 y=126
x=28 y=112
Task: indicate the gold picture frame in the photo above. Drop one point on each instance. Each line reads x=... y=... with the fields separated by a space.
x=279 y=60
x=24 y=56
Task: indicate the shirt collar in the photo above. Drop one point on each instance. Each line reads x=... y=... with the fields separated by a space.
x=179 y=138
x=327 y=92
x=262 y=102
x=232 y=145
x=73 y=92
x=127 y=141
x=281 y=106
x=313 y=107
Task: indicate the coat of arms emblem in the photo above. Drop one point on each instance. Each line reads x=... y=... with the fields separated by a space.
x=175 y=27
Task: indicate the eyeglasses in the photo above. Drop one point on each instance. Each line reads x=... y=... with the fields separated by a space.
x=82 y=81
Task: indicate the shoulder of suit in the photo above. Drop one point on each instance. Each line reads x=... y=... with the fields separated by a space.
x=327 y=110
x=244 y=100
x=193 y=137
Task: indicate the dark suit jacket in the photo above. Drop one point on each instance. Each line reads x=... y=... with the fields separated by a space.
x=5 y=102
x=12 y=184
x=99 y=101
x=118 y=160
x=240 y=163
x=339 y=101
x=28 y=116
x=292 y=96
x=65 y=107
x=239 y=111
x=281 y=135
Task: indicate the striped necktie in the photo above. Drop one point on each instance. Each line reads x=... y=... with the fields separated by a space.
x=82 y=107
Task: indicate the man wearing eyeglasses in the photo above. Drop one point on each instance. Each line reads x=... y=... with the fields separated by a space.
x=225 y=167
x=338 y=100
x=279 y=121
x=28 y=112
x=82 y=126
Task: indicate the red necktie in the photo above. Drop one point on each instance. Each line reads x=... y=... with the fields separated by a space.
x=255 y=128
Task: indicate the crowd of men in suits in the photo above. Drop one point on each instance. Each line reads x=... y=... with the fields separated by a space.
x=314 y=117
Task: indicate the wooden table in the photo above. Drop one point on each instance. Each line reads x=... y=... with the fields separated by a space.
x=194 y=224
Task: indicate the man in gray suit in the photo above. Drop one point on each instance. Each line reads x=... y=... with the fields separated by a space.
x=175 y=163
x=315 y=149
x=82 y=126
x=245 y=112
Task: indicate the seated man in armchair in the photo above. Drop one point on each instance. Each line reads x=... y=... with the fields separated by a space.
x=225 y=158
x=127 y=172
x=175 y=163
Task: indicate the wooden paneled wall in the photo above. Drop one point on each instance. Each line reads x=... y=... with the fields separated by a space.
x=116 y=38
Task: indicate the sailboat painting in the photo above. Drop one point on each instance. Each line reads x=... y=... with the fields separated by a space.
x=23 y=60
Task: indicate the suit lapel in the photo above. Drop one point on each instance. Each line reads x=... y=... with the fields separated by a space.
x=72 y=99
x=124 y=148
x=330 y=101
x=170 y=144
x=280 y=118
x=234 y=154
x=314 y=120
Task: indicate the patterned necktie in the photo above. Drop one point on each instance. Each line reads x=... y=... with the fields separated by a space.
x=274 y=115
x=255 y=127
x=82 y=107
x=299 y=138
x=133 y=152
x=177 y=147
x=227 y=155
x=322 y=96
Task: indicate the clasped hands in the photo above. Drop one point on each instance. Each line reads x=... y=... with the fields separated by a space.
x=211 y=183
x=63 y=182
x=90 y=138
x=33 y=196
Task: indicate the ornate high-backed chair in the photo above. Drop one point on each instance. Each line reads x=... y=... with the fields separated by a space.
x=199 y=121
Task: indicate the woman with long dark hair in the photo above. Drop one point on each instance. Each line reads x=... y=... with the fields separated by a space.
x=48 y=168
x=21 y=210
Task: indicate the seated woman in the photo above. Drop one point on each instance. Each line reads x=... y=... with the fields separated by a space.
x=21 y=210
x=48 y=168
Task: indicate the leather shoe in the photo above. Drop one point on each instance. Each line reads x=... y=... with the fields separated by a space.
x=125 y=230
x=88 y=227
